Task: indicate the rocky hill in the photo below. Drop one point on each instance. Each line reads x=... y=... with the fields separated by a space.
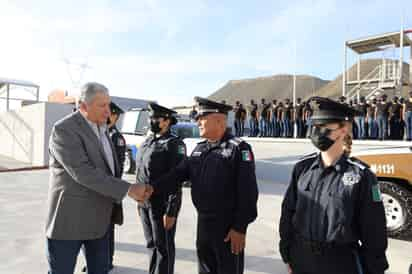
x=271 y=87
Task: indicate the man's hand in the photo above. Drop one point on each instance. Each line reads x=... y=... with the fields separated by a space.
x=140 y=192
x=289 y=269
x=168 y=222
x=237 y=241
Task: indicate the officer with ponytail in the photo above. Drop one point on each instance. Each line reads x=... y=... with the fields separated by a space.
x=160 y=153
x=333 y=219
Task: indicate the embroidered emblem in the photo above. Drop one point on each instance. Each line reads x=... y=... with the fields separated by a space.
x=181 y=150
x=226 y=152
x=121 y=142
x=376 y=193
x=247 y=156
x=350 y=178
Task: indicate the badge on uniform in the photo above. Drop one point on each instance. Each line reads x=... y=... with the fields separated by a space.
x=226 y=152
x=350 y=178
x=181 y=150
x=246 y=156
x=376 y=193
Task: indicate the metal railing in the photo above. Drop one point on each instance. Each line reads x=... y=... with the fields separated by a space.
x=382 y=76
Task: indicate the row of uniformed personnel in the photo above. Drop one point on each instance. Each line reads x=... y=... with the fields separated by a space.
x=332 y=217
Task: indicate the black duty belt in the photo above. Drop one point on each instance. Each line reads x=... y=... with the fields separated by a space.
x=321 y=248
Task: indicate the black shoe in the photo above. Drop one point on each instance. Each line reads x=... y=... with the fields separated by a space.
x=84 y=269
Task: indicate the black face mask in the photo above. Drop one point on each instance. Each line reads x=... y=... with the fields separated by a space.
x=320 y=139
x=155 y=126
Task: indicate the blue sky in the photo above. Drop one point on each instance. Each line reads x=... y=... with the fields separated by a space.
x=170 y=51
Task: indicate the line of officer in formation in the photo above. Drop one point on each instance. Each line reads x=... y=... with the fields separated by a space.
x=332 y=218
x=377 y=118
x=274 y=119
x=382 y=119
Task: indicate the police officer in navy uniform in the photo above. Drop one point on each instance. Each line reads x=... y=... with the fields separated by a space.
x=119 y=144
x=224 y=190
x=158 y=155
x=118 y=140
x=333 y=219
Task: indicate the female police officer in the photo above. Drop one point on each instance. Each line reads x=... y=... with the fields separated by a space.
x=333 y=220
x=158 y=154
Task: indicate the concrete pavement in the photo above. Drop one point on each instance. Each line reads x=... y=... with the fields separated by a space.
x=22 y=210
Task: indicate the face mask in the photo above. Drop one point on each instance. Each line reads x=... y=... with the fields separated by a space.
x=155 y=126
x=320 y=139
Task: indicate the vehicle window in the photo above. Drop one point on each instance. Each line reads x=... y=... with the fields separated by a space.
x=143 y=123
x=130 y=122
x=135 y=122
x=186 y=132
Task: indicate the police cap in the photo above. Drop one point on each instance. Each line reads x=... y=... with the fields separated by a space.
x=157 y=111
x=115 y=109
x=326 y=110
x=207 y=106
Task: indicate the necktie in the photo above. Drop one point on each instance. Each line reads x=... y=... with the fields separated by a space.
x=106 y=147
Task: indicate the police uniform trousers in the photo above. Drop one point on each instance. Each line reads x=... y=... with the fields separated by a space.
x=160 y=242
x=215 y=255
x=306 y=258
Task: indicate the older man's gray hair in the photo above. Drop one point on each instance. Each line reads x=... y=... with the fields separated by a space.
x=89 y=91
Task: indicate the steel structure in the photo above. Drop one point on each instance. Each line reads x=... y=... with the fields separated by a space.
x=8 y=85
x=388 y=75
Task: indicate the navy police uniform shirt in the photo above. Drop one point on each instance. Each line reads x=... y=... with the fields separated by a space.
x=340 y=204
x=223 y=181
x=156 y=157
x=119 y=143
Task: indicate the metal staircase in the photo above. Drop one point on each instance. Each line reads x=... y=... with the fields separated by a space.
x=383 y=77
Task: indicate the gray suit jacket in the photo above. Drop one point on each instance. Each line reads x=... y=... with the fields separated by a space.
x=82 y=188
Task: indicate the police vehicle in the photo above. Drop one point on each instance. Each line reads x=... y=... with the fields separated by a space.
x=135 y=128
x=392 y=167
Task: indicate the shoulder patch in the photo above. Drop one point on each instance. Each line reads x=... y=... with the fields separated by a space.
x=308 y=156
x=247 y=156
x=121 y=142
x=376 y=193
x=181 y=149
x=236 y=141
x=358 y=164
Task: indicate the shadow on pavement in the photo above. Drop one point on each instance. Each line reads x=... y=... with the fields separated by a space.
x=253 y=263
x=128 y=270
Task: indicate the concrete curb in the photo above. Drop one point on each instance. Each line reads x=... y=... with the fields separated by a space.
x=30 y=168
x=302 y=140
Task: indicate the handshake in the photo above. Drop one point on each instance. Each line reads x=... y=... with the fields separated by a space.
x=140 y=192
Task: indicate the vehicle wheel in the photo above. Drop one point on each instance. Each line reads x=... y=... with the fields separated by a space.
x=398 y=209
x=129 y=163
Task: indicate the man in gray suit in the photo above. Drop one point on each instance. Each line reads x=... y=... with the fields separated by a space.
x=83 y=186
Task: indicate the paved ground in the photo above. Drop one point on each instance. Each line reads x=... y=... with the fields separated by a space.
x=22 y=211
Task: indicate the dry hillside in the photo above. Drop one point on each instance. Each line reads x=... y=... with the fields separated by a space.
x=272 y=87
